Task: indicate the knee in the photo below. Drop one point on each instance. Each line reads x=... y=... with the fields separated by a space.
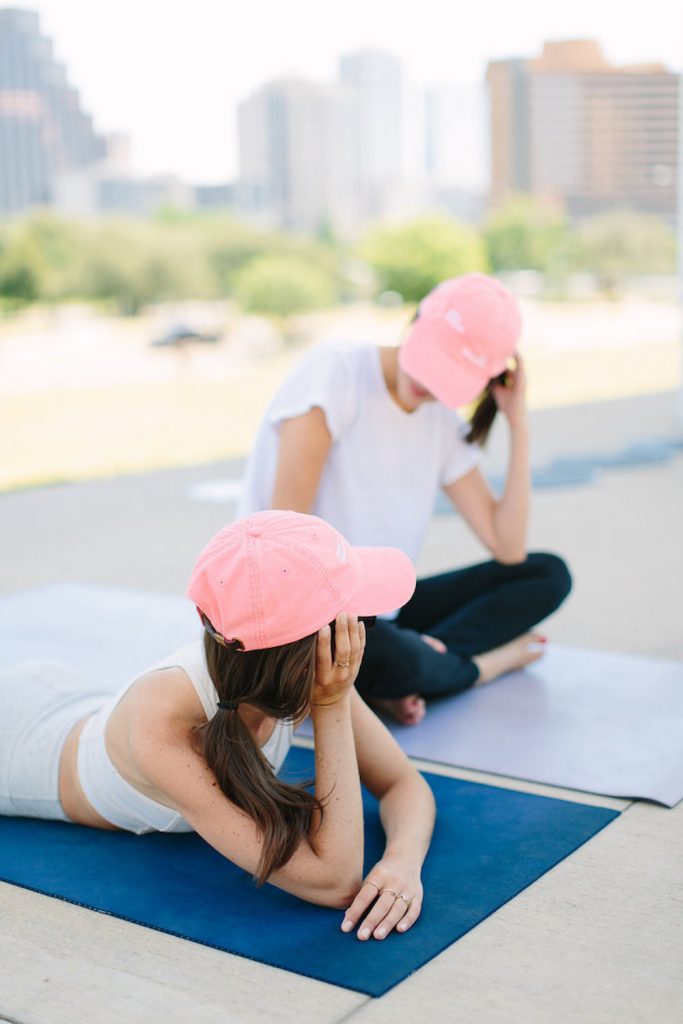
x=555 y=576
x=404 y=669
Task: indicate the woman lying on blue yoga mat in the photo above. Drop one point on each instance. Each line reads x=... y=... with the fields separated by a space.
x=365 y=437
x=195 y=742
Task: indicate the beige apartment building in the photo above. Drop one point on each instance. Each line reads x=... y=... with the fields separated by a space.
x=571 y=127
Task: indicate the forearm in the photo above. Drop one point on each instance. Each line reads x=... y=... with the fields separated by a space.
x=336 y=836
x=407 y=812
x=511 y=515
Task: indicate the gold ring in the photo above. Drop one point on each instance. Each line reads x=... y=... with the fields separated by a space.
x=369 y=882
x=342 y=664
x=392 y=891
x=405 y=900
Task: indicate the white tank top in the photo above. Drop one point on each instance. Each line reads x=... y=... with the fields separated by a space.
x=109 y=793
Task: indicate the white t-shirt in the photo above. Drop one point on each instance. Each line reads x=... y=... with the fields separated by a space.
x=385 y=466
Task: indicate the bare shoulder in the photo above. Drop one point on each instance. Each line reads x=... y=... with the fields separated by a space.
x=164 y=692
x=157 y=717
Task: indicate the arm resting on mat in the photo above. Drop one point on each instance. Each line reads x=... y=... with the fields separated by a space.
x=326 y=867
x=407 y=811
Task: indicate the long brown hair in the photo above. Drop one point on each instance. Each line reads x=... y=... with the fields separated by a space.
x=279 y=682
x=482 y=416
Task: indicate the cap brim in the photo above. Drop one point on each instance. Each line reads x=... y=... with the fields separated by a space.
x=386 y=581
x=446 y=378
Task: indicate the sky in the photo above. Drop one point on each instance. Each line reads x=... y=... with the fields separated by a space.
x=170 y=74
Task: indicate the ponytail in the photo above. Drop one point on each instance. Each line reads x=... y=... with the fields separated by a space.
x=483 y=415
x=277 y=681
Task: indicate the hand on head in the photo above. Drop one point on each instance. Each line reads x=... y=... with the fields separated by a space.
x=510 y=394
x=335 y=673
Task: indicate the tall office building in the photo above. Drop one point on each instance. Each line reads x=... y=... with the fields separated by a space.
x=294 y=169
x=571 y=127
x=43 y=129
x=374 y=84
x=313 y=153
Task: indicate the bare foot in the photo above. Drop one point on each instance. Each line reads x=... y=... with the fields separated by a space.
x=437 y=644
x=404 y=710
x=517 y=654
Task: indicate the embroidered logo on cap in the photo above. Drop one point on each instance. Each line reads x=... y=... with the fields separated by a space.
x=477 y=360
x=455 y=320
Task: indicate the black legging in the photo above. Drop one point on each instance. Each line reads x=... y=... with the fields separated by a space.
x=471 y=610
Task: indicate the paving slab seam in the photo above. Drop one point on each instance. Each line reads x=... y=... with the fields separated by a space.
x=352 y=1013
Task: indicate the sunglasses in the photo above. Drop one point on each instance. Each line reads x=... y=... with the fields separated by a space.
x=367 y=620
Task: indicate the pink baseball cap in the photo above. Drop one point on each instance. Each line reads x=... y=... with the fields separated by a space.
x=277 y=576
x=466 y=331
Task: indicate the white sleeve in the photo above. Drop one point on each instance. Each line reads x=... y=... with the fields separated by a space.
x=459 y=457
x=322 y=379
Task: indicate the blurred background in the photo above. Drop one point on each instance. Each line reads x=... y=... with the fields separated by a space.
x=191 y=196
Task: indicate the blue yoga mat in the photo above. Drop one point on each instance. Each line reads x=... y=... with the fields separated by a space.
x=489 y=844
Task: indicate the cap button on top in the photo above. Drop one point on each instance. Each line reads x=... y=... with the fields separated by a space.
x=254 y=531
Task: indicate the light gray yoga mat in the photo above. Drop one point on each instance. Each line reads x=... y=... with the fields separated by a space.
x=109 y=633
x=588 y=720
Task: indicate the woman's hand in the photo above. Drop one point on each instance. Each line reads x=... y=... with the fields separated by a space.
x=390 y=897
x=334 y=679
x=511 y=397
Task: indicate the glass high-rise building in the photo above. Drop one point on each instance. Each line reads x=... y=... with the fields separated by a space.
x=374 y=83
x=294 y=155
x=43 y=129
x=315 y=154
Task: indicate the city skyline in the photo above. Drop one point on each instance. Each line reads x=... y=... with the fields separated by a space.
x=570 y=127
x=109 y=54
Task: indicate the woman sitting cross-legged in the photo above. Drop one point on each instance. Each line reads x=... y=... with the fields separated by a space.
x=367 y=436
x=195 y=742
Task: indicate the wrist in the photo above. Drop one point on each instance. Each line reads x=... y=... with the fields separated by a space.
x=518 y=421
x=330 y=706
x=404 y=854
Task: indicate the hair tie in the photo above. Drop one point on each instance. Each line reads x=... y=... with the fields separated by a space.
x=227 y=705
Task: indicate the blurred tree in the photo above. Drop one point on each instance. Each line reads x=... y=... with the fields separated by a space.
x=175 y=255
x=229 y=245
x=39 y=259
x=528 y=234
x=21 y=270
x=413 y=258
x=622 y=243
x=280 y=286
x=135 y=263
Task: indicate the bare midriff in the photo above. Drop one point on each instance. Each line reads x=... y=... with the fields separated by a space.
x=76 y=805
x=71 y=796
